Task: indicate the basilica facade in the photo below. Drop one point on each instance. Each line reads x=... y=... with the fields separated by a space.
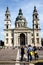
x=21 y=34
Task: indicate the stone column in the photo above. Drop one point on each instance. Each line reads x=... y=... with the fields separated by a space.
x=28 y=38
x=15 y=40
x=18 y=41
x=25 y=40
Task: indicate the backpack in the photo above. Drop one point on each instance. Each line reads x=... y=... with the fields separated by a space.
x=31 y=53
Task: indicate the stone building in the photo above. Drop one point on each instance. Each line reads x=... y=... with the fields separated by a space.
x=21 y=34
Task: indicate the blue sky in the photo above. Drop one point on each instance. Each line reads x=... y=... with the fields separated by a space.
x=27 y=7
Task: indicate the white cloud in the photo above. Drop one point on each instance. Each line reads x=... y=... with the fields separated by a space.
x=1 y=32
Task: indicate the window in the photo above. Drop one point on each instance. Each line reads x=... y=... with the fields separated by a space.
x=7 y=17
x=7 y=26
x=19 y=24
x=12 y=34
x=6 y=34
x=32 y=40
x=20 y=18
x=37 y=34
x=36 y=16
x=36 y=26
x=11 y=40
x=37 y=40
x=6 y=40
x=7 y=22
x=32 y=34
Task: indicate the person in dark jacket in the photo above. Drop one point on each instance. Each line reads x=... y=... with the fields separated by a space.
x=22 y=53
x=36 y=56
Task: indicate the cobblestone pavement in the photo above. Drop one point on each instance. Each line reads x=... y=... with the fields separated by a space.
x=9 y=54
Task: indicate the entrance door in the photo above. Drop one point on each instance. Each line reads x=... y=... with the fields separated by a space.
x=22 y=39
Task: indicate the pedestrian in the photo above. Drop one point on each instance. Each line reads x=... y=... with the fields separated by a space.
x=36 y=56
x=29 y=52
x=22 y=53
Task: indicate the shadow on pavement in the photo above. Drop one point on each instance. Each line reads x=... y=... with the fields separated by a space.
x=39 y=63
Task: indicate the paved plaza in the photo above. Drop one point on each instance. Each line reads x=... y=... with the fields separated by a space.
x=8 y=54
x=13 y=55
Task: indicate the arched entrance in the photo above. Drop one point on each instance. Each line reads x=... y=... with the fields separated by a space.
x=22 y=39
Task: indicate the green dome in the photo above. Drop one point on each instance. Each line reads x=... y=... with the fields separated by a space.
x=20 y=16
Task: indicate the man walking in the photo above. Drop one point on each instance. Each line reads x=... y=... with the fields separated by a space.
x=22 y=53
x=30 y=49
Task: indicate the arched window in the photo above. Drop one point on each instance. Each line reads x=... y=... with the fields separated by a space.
x=6 y=34
x=7 y=17
x=6 y=40
x=36 y=26
x=7 y=26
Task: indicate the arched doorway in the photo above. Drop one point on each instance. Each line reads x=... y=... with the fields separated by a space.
x=22 y=39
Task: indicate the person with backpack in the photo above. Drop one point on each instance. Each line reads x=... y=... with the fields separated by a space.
x=29 y=52
x=36 y=56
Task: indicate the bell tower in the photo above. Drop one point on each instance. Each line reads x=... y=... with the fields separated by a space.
x=7 y=28
x=7 y=19
x=35 y=19
x=36 y=28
